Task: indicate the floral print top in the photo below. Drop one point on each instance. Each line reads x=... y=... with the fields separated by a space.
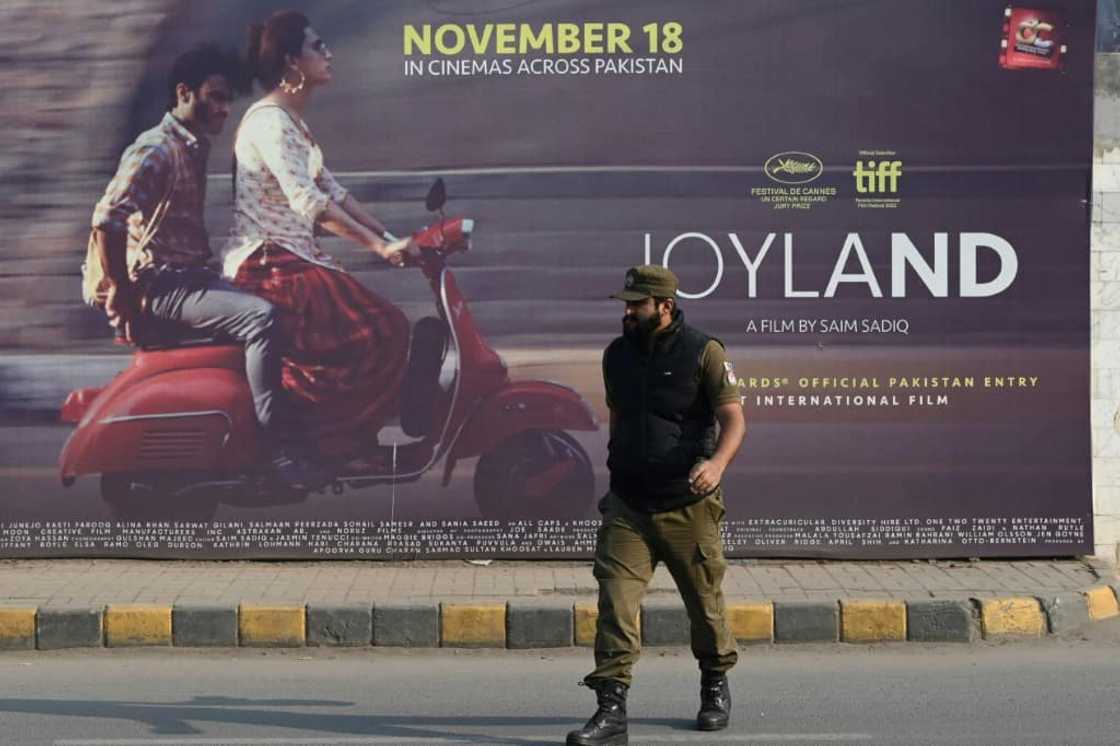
x=281 y=187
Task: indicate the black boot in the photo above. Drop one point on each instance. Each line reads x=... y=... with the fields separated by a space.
x=607 y=727
x=715 y=702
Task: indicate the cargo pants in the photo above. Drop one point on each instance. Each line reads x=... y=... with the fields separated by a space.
x=629 y=546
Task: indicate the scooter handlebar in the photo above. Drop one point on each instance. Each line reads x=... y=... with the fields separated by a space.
x=449 y=236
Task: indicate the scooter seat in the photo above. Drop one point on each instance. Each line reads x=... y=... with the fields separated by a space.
x=176 y=344
x=224 y=355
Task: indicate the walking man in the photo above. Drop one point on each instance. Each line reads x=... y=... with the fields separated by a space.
x=667 y=386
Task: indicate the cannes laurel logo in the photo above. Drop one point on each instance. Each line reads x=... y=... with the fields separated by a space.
x=793 y=167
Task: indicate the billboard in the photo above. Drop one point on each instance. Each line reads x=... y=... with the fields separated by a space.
x=880 y=207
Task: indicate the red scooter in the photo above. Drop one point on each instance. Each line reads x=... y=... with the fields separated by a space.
x=174 y=434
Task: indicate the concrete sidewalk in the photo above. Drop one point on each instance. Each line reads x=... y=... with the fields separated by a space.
x=109 y=581
x=522 y=604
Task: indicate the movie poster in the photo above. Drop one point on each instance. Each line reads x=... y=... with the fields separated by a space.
x=880 y=208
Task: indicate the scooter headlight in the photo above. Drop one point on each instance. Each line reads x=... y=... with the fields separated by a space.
x=466 y=228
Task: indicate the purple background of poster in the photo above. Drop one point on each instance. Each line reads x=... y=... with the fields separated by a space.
x=566 y=175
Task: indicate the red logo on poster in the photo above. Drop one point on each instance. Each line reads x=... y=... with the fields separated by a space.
x=1031 y=40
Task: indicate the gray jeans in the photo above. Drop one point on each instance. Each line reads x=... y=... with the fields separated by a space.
x=200 y=303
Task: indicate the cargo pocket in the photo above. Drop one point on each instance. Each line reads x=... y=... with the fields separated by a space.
x=704 y=517
x=709 y=567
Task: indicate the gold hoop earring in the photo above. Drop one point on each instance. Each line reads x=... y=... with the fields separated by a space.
x=287 y=87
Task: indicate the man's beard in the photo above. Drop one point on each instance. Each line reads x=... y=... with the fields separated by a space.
x=212 y=122
x=639 y=331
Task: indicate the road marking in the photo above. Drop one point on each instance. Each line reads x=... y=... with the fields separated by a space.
x=744 y=738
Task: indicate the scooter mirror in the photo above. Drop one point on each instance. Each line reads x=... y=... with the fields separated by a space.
x=437 y=196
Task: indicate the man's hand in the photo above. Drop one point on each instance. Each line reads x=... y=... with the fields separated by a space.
x=122 y=306
x=706 y=476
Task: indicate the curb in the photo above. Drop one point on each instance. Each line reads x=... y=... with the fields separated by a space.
x=873 y=621
x=540 y=624
x=546 y=623
x=1012 y=617
x=806 y=621
x=69 y=627
x=128 y=625
x=751 y=622
x=1102 y=601
x=204 y=626
x=1066 y=611
x=942 y=621
x=17 y=629
x=272 y=626
x=473 y=625
x=406 y=624
x=339 y=626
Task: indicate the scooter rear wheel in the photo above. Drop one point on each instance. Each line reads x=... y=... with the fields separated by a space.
x=535 y=475
x=152 y=497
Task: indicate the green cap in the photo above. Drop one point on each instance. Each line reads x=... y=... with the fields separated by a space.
x=648 y=281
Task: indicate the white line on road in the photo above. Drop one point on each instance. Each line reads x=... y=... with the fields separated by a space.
x=466 y=738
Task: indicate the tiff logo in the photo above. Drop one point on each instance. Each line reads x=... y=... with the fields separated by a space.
x=876 y=178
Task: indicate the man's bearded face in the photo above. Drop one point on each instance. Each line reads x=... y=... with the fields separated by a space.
x=640 y=320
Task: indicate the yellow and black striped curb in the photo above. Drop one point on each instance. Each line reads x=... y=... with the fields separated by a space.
x=543 y=623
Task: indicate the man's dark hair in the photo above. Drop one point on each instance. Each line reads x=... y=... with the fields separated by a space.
x=193 y=67
x=658 y=301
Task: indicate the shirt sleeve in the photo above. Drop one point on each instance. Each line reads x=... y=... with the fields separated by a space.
x=286 y=152
x=606 y=381
x=333 y=189
x=137 y=187
x=718 y=378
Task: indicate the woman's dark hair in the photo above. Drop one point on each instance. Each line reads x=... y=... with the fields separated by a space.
x=269 y=43
x=199 y=63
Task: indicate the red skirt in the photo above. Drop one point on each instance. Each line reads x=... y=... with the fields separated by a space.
x=345 y=353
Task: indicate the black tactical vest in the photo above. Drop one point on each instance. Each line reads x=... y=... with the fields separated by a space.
x=663 y=421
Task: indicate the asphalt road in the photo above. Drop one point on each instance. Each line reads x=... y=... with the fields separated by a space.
x=1055 y=691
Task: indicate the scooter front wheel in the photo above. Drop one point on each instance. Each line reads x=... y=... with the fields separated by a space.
x=156 y=497
x=535 y=474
